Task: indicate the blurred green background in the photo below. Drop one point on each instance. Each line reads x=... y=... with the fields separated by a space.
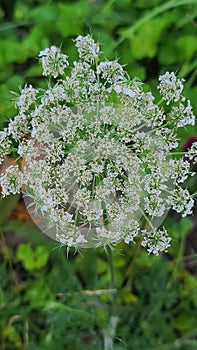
x=44 y=303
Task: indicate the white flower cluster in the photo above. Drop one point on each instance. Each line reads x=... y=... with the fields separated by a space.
x=96 y=152
x=112 y=72
x=53 y=61
x=170 y=87
x=192 y=153
x=26 y=99
x=156 y=241
x=182 y=115
x=88 y=50
x=11 y=181
x=5 y=144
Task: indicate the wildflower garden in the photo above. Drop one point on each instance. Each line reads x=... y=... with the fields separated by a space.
x=98 y=175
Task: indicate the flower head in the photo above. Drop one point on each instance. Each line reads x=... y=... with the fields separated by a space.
x=192 y=153
x=170 y=87
x=53 y=61
x=88 y=50
x=96 y=154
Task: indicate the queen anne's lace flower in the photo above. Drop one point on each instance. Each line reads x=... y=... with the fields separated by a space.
x=181 y=201
x=181 y=115
x=95 y=147
x=53 y=61
x=170 y=87
x=87 y=48
x=11 y=181
x=156 y=241
x=18 y=127
x=5 y=144
x=179 y=170
x=192 y=153
x=112 y=72
x=26 y=98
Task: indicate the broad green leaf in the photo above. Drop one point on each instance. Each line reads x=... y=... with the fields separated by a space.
x=12 y=84
x=102 y=266
x=187 y=46
x=34 y=71
x=158 y=10
x=71 y=17
x=32 y=258
x=184 y=322
x=127 y=297
x=44 y=13
x=13 y=336
x=144 y=43
x=10 y=51
x=6 y=71
x=38 y=295
x=34 y=43
x=7 y=108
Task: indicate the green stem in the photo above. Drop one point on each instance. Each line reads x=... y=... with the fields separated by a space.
x=138 y=128
x=177 y=153
x=109 y=332
x=147 y=219
x=8 y=256
x=111 y=267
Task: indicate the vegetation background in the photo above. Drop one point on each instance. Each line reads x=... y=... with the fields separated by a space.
x=51 y=301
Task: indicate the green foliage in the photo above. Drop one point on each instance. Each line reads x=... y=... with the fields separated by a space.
x=49 y=301
x=145 y=42
x=32 y=259
x=62 y=301
x=6 y=207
